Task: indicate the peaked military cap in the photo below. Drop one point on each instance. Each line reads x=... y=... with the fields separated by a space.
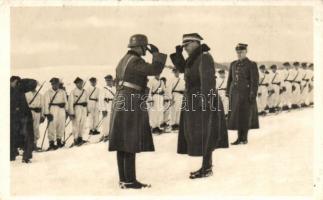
x=108 y=77
x=77 y=80
x=13 y=78
x=54 y=80
x=191 y=37
x=286 y=64
x=241 y=46
x=296 y=63
x=273 y=67
x=92 y=79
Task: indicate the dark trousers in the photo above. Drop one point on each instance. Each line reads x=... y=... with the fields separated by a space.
x=207 y=160
x=243 y=134
x=126 y=166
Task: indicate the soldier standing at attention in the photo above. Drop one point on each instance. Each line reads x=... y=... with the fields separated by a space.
x=78 y=111
x=35 y=103
x=286 y=90
x=93 y=106
x=274 y=89
x=262 y=95
x=296 y=85
x=221 y=86
x=202 y=126
x=108 y=92
x=130 y=132
x=242 y=90
x=177 y=87
x=55 y=107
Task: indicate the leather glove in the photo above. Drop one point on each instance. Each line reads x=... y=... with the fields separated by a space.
x=49 y=117
x=104 y=113
x=42 y=119
x=252 y=97
x=179 y=49
x=153 y=49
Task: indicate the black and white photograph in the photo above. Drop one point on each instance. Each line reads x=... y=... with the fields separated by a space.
x=203 y=99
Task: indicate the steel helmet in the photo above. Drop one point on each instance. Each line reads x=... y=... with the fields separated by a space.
x=138 y=40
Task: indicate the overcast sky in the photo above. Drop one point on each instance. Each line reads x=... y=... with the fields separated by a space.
x=99 y=35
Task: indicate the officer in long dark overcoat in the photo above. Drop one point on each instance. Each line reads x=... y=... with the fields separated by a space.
x=129 y=125
x=14 y=117
x=202 y=123
x=242 y=87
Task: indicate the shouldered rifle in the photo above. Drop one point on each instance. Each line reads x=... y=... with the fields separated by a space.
x=34 y=97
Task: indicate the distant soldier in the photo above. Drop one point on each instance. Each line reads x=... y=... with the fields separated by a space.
x=35 y=103
x=296 y=85
x=286 y=89
x=221 y=86
x=78 y=111
x=55 y=107
x=242 y=90
x=156 y=114
x=202 y=126
x=109 y=91
x=304 y=84
x=93 y=106
x=262 y=95
x=166 y=110
x=177 y=87
x=130 y=132
x=274 y=89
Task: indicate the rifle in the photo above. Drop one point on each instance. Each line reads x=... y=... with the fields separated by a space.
x=32 y=100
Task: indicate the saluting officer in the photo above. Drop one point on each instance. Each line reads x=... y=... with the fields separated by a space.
x=109 y=92
x=242 y=90
x=93 y=106
x=78 y=110
x=130 y=132
x=55 y=107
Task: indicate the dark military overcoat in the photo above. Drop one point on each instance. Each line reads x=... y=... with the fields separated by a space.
x=129 y=125
x=202 y=122
x=242 y=87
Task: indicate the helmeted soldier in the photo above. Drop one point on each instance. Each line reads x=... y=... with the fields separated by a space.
x=274 y=89
x=286 y=90
x=309 y=100
x=304 y=84
x=130 y=132
x=55 y=107
x=242 y=90
x=263 y=85
x=296 y=80
x=177 y=87
x=93 y=106
x=221 y=86
x=108 y=93
x=78 y=110
x=202 y=126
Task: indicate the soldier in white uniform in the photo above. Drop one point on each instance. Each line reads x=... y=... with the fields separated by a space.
x=93 y=106
x=309 y=100
x=296 y=85
x=304 y=85
x=286 y=90
x=156 y=114
x=108 y=94
x=167 y=103
x=221 y=86
x=55 y=107
x=274 y=89
x=177 y=87
x=35 y=103
x=262 y=90
x=78 y=111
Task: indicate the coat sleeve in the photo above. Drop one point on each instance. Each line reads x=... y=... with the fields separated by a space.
x=227 y=92
x=155 y=68
x=178 y=61
x=207 y=72
x=254 y=79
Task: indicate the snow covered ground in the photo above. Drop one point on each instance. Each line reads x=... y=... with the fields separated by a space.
x=277 y=161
